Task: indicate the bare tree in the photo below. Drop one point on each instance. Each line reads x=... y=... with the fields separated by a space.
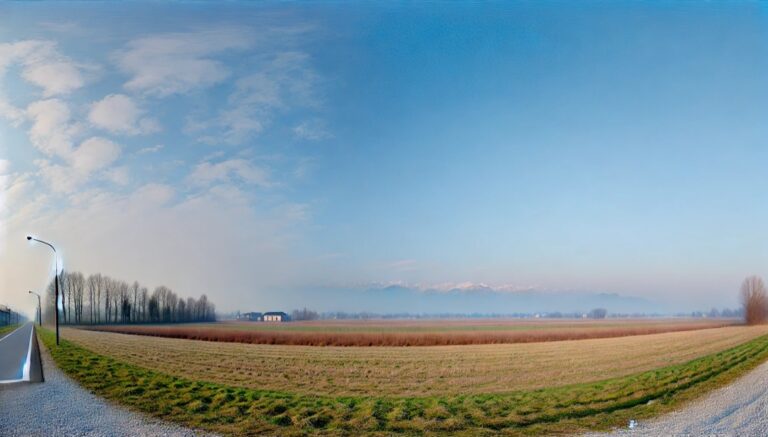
x=154 y=306
x=135 y=290
x=106 y=282
x=92 y=284
x=77 y=284
x=144 y=295
x=122 y=302
x=755 y=300
x=99 y=289
x=63 y=286
x=191 y=309
x=162 y=293
x=181 y=311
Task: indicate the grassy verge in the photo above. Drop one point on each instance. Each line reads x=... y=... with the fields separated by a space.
x=568 y=409
x=7 y=329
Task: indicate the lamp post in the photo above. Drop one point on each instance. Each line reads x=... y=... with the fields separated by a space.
x=56 y=283
x=39 y=309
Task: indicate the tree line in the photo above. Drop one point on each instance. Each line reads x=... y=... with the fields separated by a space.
x=596 y=313
x=100 y=299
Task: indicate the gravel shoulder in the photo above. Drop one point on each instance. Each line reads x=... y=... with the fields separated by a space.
x=737 y=409
x=60 y=407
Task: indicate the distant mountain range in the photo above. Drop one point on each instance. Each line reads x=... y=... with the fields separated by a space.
x=479 y=299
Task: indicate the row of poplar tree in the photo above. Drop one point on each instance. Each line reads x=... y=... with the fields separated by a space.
x=100 y=299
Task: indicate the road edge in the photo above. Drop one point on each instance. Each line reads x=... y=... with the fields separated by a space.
x=36 y=370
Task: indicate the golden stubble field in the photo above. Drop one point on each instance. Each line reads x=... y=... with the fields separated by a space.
x=415 y=332
x=412 y=371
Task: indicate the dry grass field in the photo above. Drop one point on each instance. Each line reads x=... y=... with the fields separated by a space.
x=547 y=388
x=415 y=333
x=412 y=371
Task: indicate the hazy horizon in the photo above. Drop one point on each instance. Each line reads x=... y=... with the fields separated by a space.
x=604 y=148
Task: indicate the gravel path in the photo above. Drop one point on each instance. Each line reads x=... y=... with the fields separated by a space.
x=60 y=407
x=738 y=409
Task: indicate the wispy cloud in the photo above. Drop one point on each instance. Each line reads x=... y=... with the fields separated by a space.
x=152 y=149
x=61 y=27
x=313 y=130
x=285 y=83
x=207 y=173
x=443 y=287
x=175 y=63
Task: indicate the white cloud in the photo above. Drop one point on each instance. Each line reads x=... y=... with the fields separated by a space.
x=207 y=173
x=13 y=188
x=60 y=178
x=119 y=175
x=18 y=198
x=54 y=77
x=152 y=149
x=175 y=63
x=313 y=130
x=94 y=154
x=52 y=130
x=15 y=115
x=153 y=194
x=118 y=113
x=43 y=65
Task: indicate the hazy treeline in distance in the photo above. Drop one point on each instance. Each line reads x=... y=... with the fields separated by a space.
x=100 y=299
x=596 y=313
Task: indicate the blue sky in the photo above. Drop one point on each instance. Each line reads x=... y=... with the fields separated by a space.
x=248 y=150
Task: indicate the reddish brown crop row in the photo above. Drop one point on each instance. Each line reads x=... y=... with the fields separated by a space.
x=319 y=338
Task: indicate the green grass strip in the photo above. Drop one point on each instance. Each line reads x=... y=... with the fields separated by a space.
x=4 y=330
x=569 y=409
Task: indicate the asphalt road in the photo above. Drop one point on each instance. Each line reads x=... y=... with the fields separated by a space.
x=20 y=356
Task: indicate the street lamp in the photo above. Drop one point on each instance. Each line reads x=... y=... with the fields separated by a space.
x=39 y=309
x=56 y=283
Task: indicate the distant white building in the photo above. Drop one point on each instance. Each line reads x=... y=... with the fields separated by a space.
x=276 y=316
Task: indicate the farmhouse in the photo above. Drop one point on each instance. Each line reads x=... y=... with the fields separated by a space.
x=251 y=317
x=276 y=316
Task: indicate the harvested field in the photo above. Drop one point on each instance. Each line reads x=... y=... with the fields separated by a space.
x=414 y=333
x=414 y=371
x=563 y=410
